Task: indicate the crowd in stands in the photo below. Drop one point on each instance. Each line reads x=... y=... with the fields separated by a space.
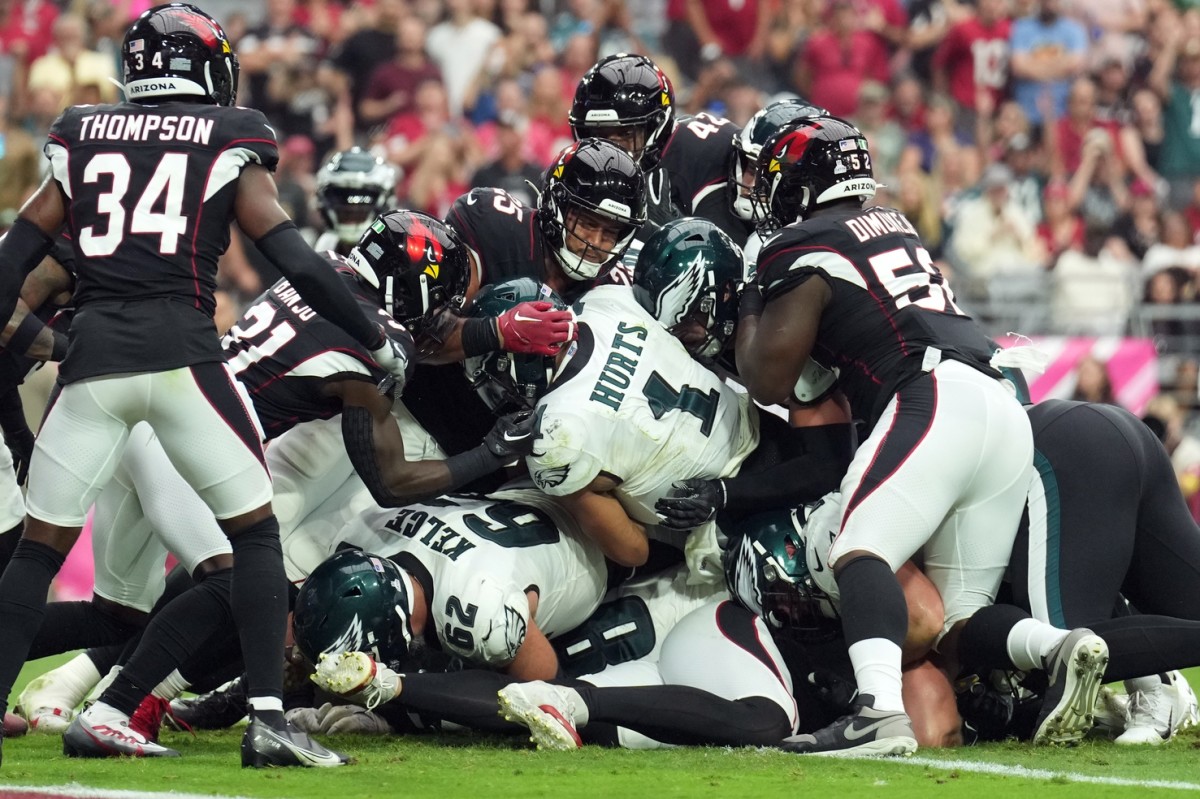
x=1048 y=151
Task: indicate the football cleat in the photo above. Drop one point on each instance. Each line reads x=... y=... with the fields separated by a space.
x=548 y=711
x=1112 y=710
x=264 y=746
x=48 y=702
x=1075 y=670
x=1154 y=716
x=101 y=731
x=863 y=731
x=218 y=709
x=149 y=716
x=358 y=678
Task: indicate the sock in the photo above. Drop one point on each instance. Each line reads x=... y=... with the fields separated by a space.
x=1030 y=643
x=23 y=590
x=75 y=625
x=983 y=642
x=1143 y=645
x=104 y=657
x=217 y=662
x=875 y=622
x=260 y=590
x=171 y=638
x=171 y=687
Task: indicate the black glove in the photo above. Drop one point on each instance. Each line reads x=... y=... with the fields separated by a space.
x=691 y=503
x=511 y=436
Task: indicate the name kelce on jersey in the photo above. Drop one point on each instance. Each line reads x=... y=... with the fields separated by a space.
x=879 y=222
x=409 y=521
x=617 y=373
x=141 y=127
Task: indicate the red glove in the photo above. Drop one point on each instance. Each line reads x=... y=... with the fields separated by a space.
x=535 y=328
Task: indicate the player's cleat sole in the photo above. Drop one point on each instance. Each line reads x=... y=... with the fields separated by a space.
x=1069 y=705
x=549 y=726
x=218 y=709
x=84 y=739
x=265 y=747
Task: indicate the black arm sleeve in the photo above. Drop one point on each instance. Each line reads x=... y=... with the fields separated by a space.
x=819 y=457
x=318 y=284
x=21 y=250
x=357 y=431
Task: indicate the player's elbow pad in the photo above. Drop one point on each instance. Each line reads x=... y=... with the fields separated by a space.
x=358 y=432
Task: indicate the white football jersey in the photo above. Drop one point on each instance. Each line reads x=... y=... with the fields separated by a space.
x=631 y=403
x=481 y=555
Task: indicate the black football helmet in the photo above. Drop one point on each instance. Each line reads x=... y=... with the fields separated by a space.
x=809 y=163
x=592 y=181
x=748 y=144
x=177 y=50
x=626 y=95
x=355 y=602
x=420 y=268
x=353 y=188
x=687 y=275
x=508 y=381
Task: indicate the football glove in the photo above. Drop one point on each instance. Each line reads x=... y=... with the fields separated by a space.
x=815 y=384
x=512 y=435
x=395 y=358
x=535 y=328
x=357 y=678
x=331 y=719
x=691 y=503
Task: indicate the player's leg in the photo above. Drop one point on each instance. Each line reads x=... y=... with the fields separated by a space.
x=75 y=455
x=12 y=508
x=208 y=428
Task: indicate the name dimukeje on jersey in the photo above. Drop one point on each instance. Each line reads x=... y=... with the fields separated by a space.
x=143 y=127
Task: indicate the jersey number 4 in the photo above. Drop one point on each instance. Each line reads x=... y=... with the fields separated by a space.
x=163 y=191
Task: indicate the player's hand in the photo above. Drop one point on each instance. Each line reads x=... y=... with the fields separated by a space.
x=691 y=503
x=394 y=357
x=535 y=328
x=512 y=435
x=357 y=678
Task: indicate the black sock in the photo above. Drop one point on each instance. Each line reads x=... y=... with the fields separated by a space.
x=8 y=544
x=105 y=657
x=260 y=593
x=873 y=604
x=172 y=636
x=983 y=642
x=464 y=697
x=1141 y=645
x=77 y=625
x=215 y=663
x=23 y=591
x=677 y=714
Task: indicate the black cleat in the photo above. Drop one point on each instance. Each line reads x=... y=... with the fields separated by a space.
x=863 y=731
x=264 y=746
x=218 y=709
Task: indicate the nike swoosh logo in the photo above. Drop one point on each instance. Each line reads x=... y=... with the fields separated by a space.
x=854 y=733
x=517 y=437
x=472 y=199
x=1166 y=736
x=518 y=318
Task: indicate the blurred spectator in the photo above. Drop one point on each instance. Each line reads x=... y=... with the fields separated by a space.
x=1147 y=120
x=884 y=18
x=1167 y=418
x=1192 y=212
x=1025 y=190
x=1113 y=101
x=974 y=58
x=837 y=59
x=742 y=101
x=1139 y=228
x=1176 y=79
x=993 y=238
x=524 y=49
x=1170 y=286
x=908 y=103
x=1177 y=247
x=1083 y=121
x=790 y=24
x=108 y=23
x=511 y=169
x=914 y=199
x=459 y=46
x=440 y=176
x=26 y=28
x=938 y=140
x=1116 y=25
x=1092 y=289
x=1061 y=228
x=1097 y=189
x=1093 y=382
x=1048 y=51
x=884 y=136
x=577 y=17
x=928 y=23
x=75 y=73
x=295 y=178
x=278 y=44
x=731 y=28
x=548 y=115
x=369 y=50
x=391 y=89
x=20 y=163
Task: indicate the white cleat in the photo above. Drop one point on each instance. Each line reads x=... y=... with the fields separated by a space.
x=548 y=711
x=357 y=678
x=47 y=705
x=1112 y=709
x=1155 y=716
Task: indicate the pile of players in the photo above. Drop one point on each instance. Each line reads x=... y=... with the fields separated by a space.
x=779 y=491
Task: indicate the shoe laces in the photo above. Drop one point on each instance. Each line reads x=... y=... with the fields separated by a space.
x=148 y=717
x=1149 y=709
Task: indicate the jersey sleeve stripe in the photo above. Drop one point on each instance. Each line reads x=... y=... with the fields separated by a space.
x=56 y=151
x=716 y=185
x=229 y=164
x=831 y=263
x=328 y=363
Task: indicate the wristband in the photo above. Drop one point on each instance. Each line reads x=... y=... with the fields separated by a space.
x=469 y=466
x=752 y=302
x=480 y=336
x=25 y=334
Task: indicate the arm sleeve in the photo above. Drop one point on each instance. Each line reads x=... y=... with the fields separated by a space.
x=318 y=283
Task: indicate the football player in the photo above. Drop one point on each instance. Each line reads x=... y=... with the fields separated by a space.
x=855 y=288
x=353 y=188
x=147 y=188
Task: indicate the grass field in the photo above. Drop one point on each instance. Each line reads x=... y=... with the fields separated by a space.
x=452 y=766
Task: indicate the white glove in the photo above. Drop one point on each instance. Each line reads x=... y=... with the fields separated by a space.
x=815 y=382
x=357 y=678
x=394 y=358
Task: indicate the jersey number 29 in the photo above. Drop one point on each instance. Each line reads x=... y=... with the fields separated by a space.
x=164 y=190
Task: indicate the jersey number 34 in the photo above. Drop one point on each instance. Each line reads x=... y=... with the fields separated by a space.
x=165 y=190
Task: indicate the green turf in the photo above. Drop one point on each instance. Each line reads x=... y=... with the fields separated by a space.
x=452 y=766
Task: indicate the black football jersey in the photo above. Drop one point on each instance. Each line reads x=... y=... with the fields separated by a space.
x=14 y=368
x=697 y=160
x=284 y=354
x=891 y=317
x=151 y=191
x=502 y=232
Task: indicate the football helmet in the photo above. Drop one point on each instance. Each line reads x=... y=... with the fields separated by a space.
x=508 y=381
x=748 y=144
x=687 y=275
x=353 y=188
x=592 y=184
x=420 y=268
x=767 y=573
x=809 y=163
x=627 y=98
x=177 y=50
x=355 y=602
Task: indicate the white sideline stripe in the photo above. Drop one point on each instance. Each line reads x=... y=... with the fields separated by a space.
x=1004 y=770
x=86 y=792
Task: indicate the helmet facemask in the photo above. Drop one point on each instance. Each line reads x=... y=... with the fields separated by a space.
x=593 y=237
